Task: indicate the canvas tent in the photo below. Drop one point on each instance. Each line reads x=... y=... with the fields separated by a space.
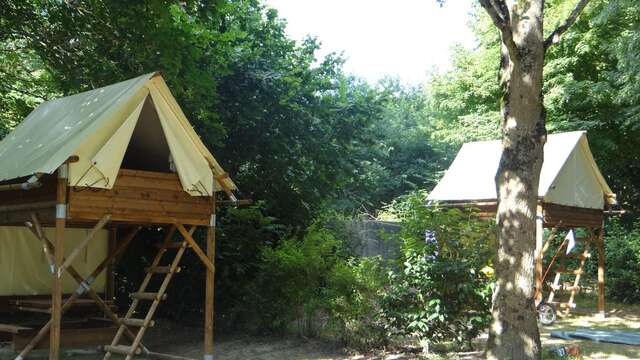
x=572 y=194
x=79 y=178
x=569 y=175
x=97 y=126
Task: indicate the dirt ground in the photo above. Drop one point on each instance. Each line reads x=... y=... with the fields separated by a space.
x=187 y=342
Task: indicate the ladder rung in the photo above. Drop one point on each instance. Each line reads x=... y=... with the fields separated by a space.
x=137 y=322
x=121 y=349
x=34 y=309
x=572 y=288
x=565 y=271
x=565 y=305
x=173 y=245
x=579 y=255
x=148 y=296
x=161 y=269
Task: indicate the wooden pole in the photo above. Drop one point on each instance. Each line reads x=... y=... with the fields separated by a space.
x=538 y=257
x=56 y=291
x=189 y=239
x=601 y=260
x=209 y=286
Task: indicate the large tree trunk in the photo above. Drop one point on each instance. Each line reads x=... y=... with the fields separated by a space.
x=514 y=331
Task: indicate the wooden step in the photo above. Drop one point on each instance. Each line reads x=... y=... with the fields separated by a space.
x=173 y=245
x=565 y=305
x=121 y=349
x=578 y=255
x=148 y=296
x=34 y=309
x=14 y=329
x=161 y=269
x=137 y=322
x=570 y=272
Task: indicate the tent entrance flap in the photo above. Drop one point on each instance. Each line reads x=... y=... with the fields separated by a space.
x=193 y=170
x=108 y=160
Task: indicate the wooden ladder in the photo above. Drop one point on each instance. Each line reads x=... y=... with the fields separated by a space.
x=562 y=270
x=142 y=294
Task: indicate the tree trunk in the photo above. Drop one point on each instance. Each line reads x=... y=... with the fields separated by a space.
x=514 y=331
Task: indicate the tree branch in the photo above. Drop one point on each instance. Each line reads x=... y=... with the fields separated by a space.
x=499 y=14
x=555 y=35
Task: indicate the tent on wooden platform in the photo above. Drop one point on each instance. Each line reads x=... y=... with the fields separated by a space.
x=572 y=193
x=79 y=177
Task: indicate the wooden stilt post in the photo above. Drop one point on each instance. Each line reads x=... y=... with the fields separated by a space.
x=600 y=248
x=56 y=291
x=209 y=288
x=539 y=252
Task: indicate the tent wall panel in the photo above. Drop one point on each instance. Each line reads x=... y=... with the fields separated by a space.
x=24 y=267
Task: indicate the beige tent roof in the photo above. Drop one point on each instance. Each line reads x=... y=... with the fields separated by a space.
x=99 y=126
x=569 y=173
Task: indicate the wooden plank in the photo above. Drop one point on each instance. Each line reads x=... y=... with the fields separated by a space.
x=14 y=329
x=148 y=218
x=129 y=193
x=116 y=204
x=69 y=338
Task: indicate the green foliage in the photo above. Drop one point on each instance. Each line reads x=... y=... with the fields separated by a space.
x=356 y=288
x=291 y=285
x=622 y=271
x=440 y=291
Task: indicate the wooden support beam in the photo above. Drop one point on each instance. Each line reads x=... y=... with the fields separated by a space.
x=203 y=257
x=69 y=302
x=105 y=219
x=601 y=262
x=56 y=291
x=210 y=285
x=45 y=247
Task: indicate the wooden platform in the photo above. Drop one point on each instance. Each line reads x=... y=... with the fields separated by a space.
x=138 y=197
x=44 y=305
x=82 y=334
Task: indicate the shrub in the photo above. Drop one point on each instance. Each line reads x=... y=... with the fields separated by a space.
x=355 y=291
x=293 y=279
x=439 y=291
x=622 y=271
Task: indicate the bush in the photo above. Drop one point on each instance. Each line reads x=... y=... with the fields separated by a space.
x=622 y=270
x=292 y=283
x=356 y=289
x=435 y=290
x=439 y=291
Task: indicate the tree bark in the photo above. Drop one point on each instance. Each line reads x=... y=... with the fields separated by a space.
x=514 y=330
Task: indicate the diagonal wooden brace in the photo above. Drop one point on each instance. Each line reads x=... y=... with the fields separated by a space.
x=45 y=247
x=201 y=254
x=67 y=263
x=84 y=284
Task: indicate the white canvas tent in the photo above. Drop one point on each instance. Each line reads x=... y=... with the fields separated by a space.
x=97 y=126
x=572 y=193
x=569 y=174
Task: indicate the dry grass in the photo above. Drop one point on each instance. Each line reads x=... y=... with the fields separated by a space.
x=187 y=342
